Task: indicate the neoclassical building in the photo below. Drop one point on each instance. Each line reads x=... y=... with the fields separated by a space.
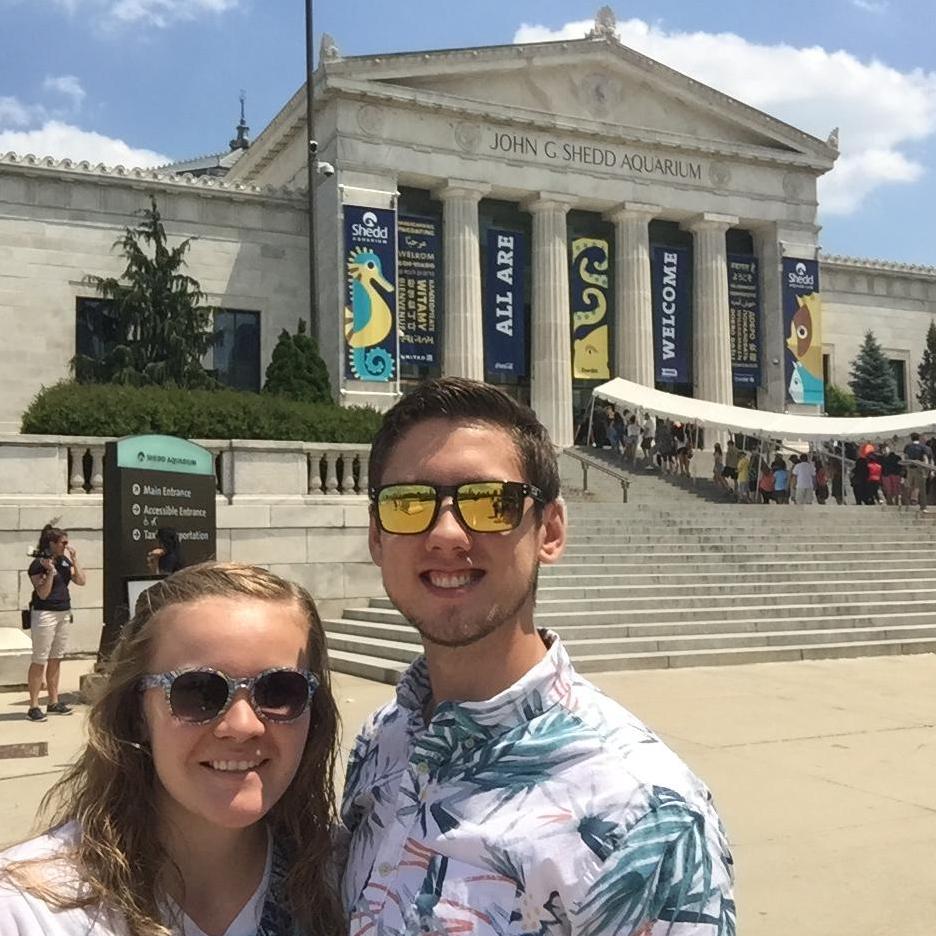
x=540 y=216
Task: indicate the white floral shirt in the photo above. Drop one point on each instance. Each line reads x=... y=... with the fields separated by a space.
x=548 y=809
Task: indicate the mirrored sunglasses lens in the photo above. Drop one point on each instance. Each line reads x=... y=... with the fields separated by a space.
x=197 y=697
x=406 y=508
x=490 y=506
x=282 y=696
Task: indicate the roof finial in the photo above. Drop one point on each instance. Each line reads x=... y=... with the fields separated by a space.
x=241 y=142
x=833 y=139
x=329 y=50
x=605 y=25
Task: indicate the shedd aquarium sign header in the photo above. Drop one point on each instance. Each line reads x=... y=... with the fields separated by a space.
x=633 y=162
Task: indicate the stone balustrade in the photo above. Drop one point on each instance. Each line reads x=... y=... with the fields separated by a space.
x=42 y=466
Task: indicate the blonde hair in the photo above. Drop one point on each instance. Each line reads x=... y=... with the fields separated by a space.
x=111 y=790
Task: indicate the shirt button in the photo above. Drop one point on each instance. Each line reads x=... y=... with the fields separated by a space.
x=385 y=868
x=469 y=743
x=422 y=767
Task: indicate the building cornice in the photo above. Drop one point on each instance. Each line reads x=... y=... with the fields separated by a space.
x=68 y=170
x=452 y=61
x=512 y=115
x=877 y=266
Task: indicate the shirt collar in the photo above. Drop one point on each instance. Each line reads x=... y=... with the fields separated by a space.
x=538 y=690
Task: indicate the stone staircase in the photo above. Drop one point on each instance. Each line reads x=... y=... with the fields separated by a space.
x=671 y=579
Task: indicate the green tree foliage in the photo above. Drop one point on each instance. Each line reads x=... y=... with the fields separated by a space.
x=872 y=381
x=157 y=327
x=296 y=370
x=839 y=402
x=112 y=410
x=926 y=395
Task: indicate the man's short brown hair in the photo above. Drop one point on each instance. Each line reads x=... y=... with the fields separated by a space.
x=461 y=400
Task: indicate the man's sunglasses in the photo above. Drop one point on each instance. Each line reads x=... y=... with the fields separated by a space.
x=200 y=695
x=481 y=506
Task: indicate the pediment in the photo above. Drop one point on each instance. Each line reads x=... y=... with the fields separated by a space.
x=598 y=83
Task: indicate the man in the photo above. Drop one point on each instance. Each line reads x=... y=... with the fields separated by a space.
x=730 y=470
x=804 y=481
x=500 y=792
x=919 y=456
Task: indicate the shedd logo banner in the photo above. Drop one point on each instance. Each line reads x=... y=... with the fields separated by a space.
x=802 y=321
x=370 y=309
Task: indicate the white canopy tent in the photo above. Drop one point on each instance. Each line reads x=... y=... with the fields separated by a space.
x=760 y=423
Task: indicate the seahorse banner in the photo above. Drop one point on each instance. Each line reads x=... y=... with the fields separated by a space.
x=671 y=284
x=370 y=299
x=504 y=317
x=802 y=325
x=419 y=251
x=744 y=313
x=588 y=282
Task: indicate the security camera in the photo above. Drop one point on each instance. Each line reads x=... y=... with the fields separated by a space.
x=313 y=147
x=325 y=169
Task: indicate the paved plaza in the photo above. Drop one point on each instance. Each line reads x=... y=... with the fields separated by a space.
x=824 y=773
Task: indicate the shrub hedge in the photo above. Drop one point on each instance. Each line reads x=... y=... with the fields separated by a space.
x=68 y=408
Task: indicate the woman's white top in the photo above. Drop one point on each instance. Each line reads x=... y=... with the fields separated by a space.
x=22 y=914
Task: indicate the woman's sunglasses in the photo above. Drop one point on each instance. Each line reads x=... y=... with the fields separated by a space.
x=198 y=696
x=481 y=506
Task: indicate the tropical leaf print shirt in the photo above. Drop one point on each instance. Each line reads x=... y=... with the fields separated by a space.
x=549 y=809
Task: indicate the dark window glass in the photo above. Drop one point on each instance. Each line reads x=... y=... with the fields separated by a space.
x=95 y=328
x=237 y=351
x=826 y=369
x=900 y=376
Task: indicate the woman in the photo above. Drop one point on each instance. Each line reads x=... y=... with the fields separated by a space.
x=53 y=569
x=163 y=559
x=203 y=802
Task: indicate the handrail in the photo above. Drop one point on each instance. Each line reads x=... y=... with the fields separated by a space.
x=588 y=461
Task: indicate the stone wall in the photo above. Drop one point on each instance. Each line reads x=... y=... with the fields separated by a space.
x=267 y=514
x=58 y=223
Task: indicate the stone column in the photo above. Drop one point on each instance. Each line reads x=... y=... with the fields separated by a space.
x=633 y=298
x=712 y=327
x=463 y=333
x=551 y=386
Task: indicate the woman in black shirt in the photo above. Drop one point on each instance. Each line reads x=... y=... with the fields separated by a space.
x=53 y=569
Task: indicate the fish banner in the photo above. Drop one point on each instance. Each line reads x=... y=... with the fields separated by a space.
x=504 y=316
x=588 y=283
x=744 y=313
x=370 y=301
x=802 y=326
x=419 y=252
x=671 y=286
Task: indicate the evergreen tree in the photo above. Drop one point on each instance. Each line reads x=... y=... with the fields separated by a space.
x=926 y=395
x=155 y=328
x=872 y=381
x=839 y=402
x=297 y=370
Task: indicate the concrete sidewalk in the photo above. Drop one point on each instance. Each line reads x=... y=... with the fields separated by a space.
x=824 y=773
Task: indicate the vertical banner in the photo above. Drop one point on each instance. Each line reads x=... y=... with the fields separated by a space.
x=504 y=331
x=419 y=287
x=671 y=286
x=370 y=309
x=802 y=324
x=588 y=283
x=744 y=312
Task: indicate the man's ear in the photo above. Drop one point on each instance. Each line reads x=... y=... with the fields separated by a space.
x=373 y=541
x=553 y=532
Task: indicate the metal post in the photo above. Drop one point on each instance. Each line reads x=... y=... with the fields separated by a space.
x=311 y=151
x=591 y=416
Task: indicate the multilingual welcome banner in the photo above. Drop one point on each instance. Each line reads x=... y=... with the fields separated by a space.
x=419 y=307
x=744 y=314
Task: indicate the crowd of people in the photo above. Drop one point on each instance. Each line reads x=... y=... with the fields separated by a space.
x=876 y=473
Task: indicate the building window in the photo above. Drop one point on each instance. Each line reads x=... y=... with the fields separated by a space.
x=236 y=355
x=899 y=367
x=96 y=330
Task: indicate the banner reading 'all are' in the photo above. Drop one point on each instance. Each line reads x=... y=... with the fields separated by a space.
x=504 y=313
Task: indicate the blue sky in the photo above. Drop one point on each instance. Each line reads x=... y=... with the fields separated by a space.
x=136 y=81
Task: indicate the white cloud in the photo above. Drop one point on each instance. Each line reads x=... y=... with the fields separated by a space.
x=67 y=85
x=61 y=140
x=159 y=13
x=871 y=6
x=14 y=113
x=879 y=109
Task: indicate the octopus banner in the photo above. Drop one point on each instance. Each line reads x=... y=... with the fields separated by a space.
x=744 y=314
x=370 y=310
x=419 y=286
x=588 y=282
x=504 y=314
x=671 y=287
x=802 y=325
